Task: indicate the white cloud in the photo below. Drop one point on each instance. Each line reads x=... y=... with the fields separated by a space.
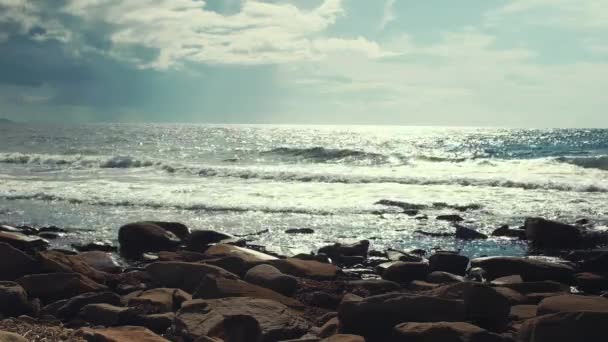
x=389 y=14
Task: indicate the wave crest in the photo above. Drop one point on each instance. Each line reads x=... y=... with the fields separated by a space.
x=595 y=162
x=79 y=161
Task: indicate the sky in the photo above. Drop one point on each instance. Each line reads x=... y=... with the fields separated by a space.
x=522 y=63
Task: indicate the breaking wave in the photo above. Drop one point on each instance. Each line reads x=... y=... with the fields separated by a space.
x=78 y=161
x=596 y=162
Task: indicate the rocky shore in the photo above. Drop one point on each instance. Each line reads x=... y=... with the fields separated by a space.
x=165 y=282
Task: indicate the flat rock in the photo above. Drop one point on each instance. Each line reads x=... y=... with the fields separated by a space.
x=104 y=314
x=51 y=287
x=536 y=286
x=305 y=268
x=566 y=327
x=270 y=277
x=440 y=277
x=54 y=261
x=183 y=275
x=160 y=300
x=572 y=303
x=403 y=272
x=300 y=231
x=119 y=334
x=140 y=237
x=443 y=331
x=14 y=263
x=23 y=242
x=528 y=269
x=248 y=255
x=13 y=299
x=592 y=282
x=201 y=317
x=448 y=262
x=513 y=279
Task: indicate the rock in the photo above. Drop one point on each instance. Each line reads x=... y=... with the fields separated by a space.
x=439 y=277
x=449 y=262
x=54 y=261
x=566 y=327
x=201 y=317
x=158 y=323
x=214 y=287
x=451 y=218
x=178 y=229
x=374 y=317
x=231 y=264
x=101 y=261
x=403 y=272
x=344 y=338
x=248 y=255
x=51 y=287
x=395 y=255
x=14 y=263
x=466 y=233
x=186 y=256
x=104 y=314
x=305 y=268
x=528 y=269
x=330 y=328
x=160 y=300
x=323 y=300
x=452 y=291
x=536 y=298
x=443 y=331
x=119 y=334
x=514 y=297
x=551 y=234
x=572 y=303
x=372 y=287
x=23 y=242
x=420 y=285
x=591 y=282
x=138 y=238
x=50 y=235
x=337 y=250
x=270 y=277
x=69 y=308
x=199 y=240
x=100 y=246
x=536 y=287
x=596 y=263
x=487 y=307
x=13 y=299
x=505 y=231
x=522 y=312
x=11 y=337
x=513 y=279
x=183 y=275
x=300 y=231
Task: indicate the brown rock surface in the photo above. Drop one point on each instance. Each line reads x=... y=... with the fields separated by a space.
x=119 y=334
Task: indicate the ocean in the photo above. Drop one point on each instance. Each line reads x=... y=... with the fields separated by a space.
x=243 y=179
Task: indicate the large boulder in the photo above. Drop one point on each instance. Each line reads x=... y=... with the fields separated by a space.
x=404 y=272
x=277 y=322
x=199 y=240
x=443 y=331
x=270 y=277
x=14 y=263
x=305 y=268
x=551 y=234
x=566 y=327
x=55 y=261
x=183 y=275
x=119 y=334
x=529 y=269
x=341 y=250
x=248 y=255
x=374 y=317
x=487 y=307
x=449 y=262
x=160 y=300
x=51 y=287
x=214 y=287
x=13 y=299
x=141 y=237
x=572 y=303
x=178 y=229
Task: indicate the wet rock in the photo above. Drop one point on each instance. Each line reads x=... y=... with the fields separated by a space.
x=466 y=233
x=528 y=269
x=505 y=231
x=551 y=234
x=395 y=255
x=101 y=246
x=183 y=275
x=439 y=277
x=566 y=327
x=51 y=287
x=50 y=235
x=305 y=268
x=356 y=249
x=487 y=307
x=522 y=312
x=119 y=334
x=160 y=300
x=449 y=262
x=141 y=237
x=11 y=337
x=214 y=287
x=67 y=309
x=270 y=277
x=199 y=240
x=372 y=287
x=300 y=231
x=246 y=254
x=591 y=282
x=277 y=322
x=403 y=272
x=104 y=314
x=572 y=303
x=374 y=317
x=101 y=261
x=54 y=261
x=451 y=218
x=23 y=242
x=178 y=229
x=443 y=331
x=13 y=299
x=513 y=279
x=186 y=256
x=597 y=262
x=14 y=263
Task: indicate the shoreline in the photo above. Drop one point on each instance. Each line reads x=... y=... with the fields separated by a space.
x=183 y=285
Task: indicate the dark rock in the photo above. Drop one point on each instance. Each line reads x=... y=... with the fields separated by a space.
x=141 y=237
x=551 y=234
x=443 y=331
x=395 y=255
x=591 y=282
x=199 y=240
x=513 y=279
x=451 y=218
x=101 y=246
x=323 y=300
x=199 y=318
x=183 y=275
x=420 y=285
x=14 y=263
x=536 y=287
x=70 y=307
x=374 y=317
x=105 y=314
x=522 y=312
x=439 y=277
x=13 y=299
x=572 y=303
x=514 y=297
x=119 y=334
x=305 y=268
x=51 y=287
x=452 y=291
x=403 y=272
x=270 y=277
x=158 y=323
x=528 y=269
x=232 y=264
x=23 y=242
x=505 y=231
x=372 y=287
x=178 y=229
x=597 y=262
x=356 y=249
x=159 y=300
x=55 y=261
x=582 y=221
x=466 y=233
x=300 y=231
x=418 y=251
x=101 y=261
x=52 y=229
x=487 y=307
x=566 y=327
x=248 y=255
x=50 y=235
x=402 y=205
x=449 y=262
x=342 y=338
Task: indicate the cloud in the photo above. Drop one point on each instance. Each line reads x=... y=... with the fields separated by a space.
x=388 y=15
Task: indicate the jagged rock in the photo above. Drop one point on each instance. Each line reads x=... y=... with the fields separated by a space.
x=439 y=277
x=403 y=272
x=104 y=314
x=215 y=287
x=199 y=318
x=448 y=262
x=160 y=300
x=51 y=287
x=300 y=231
x=14 y=263
x=54 y=261
x=528 y=269
x=23 y=242
x=199 y=240
x=466 y=233
x=451 y=218
x=183 y=275
x=443 y=331
x=140 y=237
x=119 y=334
x=374 y=317
x=487 y=307
x=248 y=255
x=338 y=249
x=11 y=337
x=551 y=234
x=305 y=268
x=69 y=308
x=101 y=261
x=566 y=327
x=270 y=277
x=572 y=303
x=13 y=299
